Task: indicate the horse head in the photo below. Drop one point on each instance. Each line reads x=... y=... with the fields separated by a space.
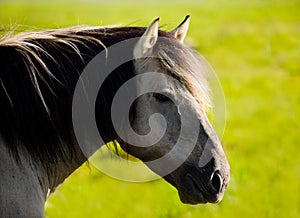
x=179 y=144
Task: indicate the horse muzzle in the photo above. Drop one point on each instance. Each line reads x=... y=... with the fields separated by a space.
x=200 y=185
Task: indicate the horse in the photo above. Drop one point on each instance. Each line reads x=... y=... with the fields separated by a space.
x=39 y=146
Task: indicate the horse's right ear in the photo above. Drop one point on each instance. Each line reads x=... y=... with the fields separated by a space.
x=145 y=44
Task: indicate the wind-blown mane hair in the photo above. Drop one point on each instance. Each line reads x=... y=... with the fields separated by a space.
x=39 y=72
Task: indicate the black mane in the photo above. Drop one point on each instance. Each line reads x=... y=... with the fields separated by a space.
x=38 y=75
x=39 y=72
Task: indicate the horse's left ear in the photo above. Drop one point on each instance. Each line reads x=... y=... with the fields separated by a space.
x=147 y=41
x=180 y=31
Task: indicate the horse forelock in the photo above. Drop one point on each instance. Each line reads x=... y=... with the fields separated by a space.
x=186 y=66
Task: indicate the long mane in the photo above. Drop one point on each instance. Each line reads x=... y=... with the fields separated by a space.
x=39 y=71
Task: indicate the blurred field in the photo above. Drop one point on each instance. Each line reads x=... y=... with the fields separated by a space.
x=254 y=47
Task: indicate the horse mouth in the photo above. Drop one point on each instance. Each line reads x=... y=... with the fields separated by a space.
x=191 y=193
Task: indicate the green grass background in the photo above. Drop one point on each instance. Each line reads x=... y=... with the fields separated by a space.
x=254 y=47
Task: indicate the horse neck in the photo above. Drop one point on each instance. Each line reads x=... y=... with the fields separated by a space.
x=55 y=134
x=23 y=185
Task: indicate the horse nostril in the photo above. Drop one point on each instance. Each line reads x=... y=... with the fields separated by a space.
x=216 y=181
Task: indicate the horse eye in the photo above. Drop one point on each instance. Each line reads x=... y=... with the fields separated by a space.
x=161 y=97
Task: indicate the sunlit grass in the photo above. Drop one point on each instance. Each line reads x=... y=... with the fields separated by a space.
x=254 y=47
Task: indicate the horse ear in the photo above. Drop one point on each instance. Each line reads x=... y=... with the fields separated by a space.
x=147 y=41
x=180 y=31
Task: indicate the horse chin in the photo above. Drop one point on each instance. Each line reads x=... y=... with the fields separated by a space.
x=189 y=193
x=189 y=190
